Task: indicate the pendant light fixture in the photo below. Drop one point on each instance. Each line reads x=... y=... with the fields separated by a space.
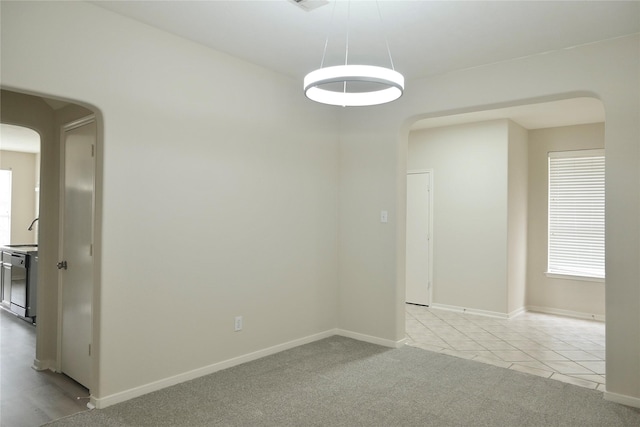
x=334 y=85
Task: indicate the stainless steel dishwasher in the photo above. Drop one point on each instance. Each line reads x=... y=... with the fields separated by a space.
x=20 y=279
x=19 y=283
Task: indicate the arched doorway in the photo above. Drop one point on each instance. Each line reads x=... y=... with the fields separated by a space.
x=48 y=116
x=490 y=240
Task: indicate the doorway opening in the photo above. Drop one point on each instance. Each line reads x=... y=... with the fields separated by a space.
x=49 y=117
x=490 y=241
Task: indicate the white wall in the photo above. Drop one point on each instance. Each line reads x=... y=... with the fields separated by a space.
x=517 y=217
x=367 y=285
x=480 y=213
x=378 y=136
x=553 y=294
x=219 y=192
x=469 y=164
x=23 y=185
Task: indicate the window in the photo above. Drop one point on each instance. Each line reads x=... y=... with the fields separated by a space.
x=576 y=214
x=5 y=207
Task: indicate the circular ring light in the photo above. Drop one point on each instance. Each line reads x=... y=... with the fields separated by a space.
x=354 y=73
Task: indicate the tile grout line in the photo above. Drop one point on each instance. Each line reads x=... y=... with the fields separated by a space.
x=458 y=322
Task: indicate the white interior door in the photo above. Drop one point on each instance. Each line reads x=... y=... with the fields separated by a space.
x=77 y=251
x=418 y=256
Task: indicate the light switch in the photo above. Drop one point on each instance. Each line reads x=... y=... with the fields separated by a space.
x=384 y=216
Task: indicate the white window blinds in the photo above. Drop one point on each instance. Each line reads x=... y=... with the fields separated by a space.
x=576 y=213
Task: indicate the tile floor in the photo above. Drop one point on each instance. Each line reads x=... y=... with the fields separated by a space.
x=30 y=398
x=556 y=347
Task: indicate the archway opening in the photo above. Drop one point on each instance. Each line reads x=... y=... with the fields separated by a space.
x=47 y=116
x=487 y=267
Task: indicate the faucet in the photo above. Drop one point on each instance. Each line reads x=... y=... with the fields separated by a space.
x=32 y=222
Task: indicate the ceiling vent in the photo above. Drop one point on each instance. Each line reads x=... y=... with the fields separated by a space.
x=309 y=5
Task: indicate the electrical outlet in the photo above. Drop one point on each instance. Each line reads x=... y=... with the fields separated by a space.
x=238 y=324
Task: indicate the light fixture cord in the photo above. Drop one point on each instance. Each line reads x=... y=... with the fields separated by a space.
x=346 y=49
x=326 y=42
x=385 y=35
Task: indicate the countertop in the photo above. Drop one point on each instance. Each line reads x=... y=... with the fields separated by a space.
x=24 y=249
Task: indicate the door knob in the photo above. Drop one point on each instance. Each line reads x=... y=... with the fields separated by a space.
x=62 y=265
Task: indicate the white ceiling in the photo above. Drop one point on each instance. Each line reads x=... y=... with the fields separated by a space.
x=18 y=138
x=425 y=37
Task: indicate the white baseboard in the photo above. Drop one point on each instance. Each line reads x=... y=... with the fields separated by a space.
x=103 y=402
x=370 y=339
x=517 y=312
x=476 y=311
x=43 y=365
x=537 y=309
x=567 y=313
x=622 y=399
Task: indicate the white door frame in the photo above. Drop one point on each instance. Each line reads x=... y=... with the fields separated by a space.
x=65 y=128
x=430 y=225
